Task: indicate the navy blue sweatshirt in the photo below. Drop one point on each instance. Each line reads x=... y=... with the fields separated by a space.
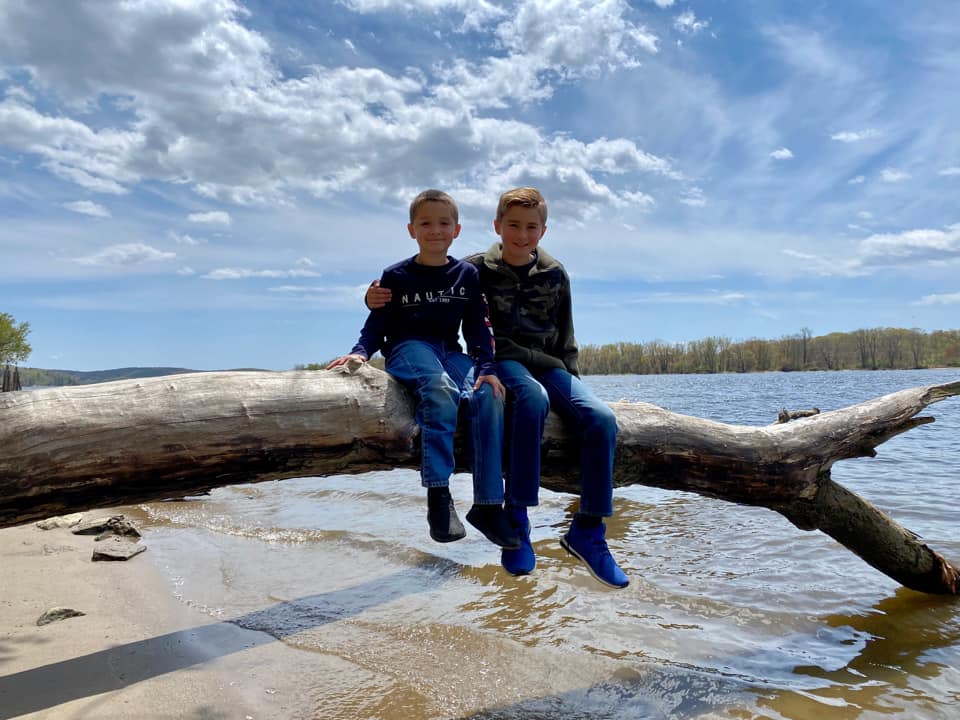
x=431 y=303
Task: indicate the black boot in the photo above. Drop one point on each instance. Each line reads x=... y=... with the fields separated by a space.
x=493 y=522
x=445 y=526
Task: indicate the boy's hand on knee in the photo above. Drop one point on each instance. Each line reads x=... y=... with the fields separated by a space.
x=493 y=381
x=377 y=296
x=343 y=359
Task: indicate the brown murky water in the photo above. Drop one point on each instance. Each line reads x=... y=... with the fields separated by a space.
x=731 y=613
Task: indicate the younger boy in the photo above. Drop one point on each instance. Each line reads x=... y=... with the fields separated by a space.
x=433 y=295
x=531 y=314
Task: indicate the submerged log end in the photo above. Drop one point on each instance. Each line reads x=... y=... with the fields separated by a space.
x=876 y=538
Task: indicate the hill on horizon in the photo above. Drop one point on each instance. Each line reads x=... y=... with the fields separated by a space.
x=55 y=377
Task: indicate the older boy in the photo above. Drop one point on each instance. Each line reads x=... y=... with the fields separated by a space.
x=530 y=310
x=433 y=296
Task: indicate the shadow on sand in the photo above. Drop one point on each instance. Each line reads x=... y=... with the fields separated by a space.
x=119 y=667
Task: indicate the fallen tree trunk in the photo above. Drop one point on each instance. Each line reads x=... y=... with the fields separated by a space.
x=69 y=449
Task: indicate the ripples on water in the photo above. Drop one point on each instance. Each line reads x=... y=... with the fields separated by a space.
x=731 y=613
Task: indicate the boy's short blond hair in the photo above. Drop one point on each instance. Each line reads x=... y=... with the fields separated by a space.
x=525 y=197
x=434 y=196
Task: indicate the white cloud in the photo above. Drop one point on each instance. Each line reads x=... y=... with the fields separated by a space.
x=97 y=160
x=693 y=196
x=244 y=274
x=893 y=175
x=911 y=247
x=950 y=171
x=477 y=13
x=852 y=137
x=186 y=270
x=687 y=23
x=707 y=298
x=865 y=215
x=216 y=217
x=858 y=180
x=940 y=299
x=663 y=3
x=195 y=84
x=126 y=254
x=184 y=239
x=781 y=154
x=86 y=207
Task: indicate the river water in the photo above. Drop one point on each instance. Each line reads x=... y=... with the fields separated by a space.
x=731 y=612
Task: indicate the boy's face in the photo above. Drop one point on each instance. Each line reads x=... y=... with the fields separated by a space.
x=520 y=230
x=434 y=229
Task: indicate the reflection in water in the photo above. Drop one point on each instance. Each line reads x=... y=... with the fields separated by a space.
x=906 y=661
x=731 y=611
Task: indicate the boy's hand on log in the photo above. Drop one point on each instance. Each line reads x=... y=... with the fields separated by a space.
x=377 y=296
x=494 y=382
x=343 y=359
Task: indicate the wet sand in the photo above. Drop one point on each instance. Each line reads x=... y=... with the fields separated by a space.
x=135 y=653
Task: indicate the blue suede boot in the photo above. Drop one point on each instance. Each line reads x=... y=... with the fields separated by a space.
x=586 y=540
x=521 y=560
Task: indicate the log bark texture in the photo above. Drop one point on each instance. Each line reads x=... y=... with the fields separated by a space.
x=69 y=449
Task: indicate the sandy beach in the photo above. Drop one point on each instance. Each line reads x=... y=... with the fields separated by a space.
x=135 y=653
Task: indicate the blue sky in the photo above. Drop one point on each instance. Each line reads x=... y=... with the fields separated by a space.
x=211 y=184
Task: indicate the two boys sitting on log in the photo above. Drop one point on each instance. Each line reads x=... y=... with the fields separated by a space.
x=417 y=308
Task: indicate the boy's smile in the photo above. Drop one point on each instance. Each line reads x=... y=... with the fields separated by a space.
x=520 y=230
x=434 y=230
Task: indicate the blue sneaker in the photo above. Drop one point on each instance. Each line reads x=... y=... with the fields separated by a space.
x=589 y=545
x=521 y=560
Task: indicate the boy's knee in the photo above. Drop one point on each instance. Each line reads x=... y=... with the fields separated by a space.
x=602 y=419
x=532 y=397
x=440 y=390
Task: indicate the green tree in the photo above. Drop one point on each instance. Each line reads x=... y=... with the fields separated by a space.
x=13 y=340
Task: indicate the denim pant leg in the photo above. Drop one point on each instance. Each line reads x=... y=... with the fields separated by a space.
x=486 y=431
x=596 y=425
x=418 y=366
x=527 y=410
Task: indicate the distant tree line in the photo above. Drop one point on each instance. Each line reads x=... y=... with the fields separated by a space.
x=865 y=349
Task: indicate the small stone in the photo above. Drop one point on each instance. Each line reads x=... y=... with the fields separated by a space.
x=60 y=521
x=117 y=548
x=107 y=526
x=58 y=613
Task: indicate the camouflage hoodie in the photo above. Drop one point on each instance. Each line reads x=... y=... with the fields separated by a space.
x=531 y=316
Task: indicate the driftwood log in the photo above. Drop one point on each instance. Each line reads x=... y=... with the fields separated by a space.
x=69 y=449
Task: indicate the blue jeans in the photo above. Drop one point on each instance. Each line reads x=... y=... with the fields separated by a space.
x=439 y=379
x=530 y=395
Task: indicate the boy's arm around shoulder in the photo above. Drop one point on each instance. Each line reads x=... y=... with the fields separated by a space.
x=475 y=323
x=372 y=336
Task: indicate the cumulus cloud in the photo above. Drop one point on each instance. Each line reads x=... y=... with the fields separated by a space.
x=687 y=23
x=940 y=299
x=185 y=239
x=852 y=137
x=858 y=180
x=86 y=207
x=950 y=171
x=706 y=298
x=193 y=84
x=911 y=247
x=126 y=254
x=693 y=196
x=245 y=274
x=893 y=175
x=216 y=217
x=781 y=154
x=477 y=13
